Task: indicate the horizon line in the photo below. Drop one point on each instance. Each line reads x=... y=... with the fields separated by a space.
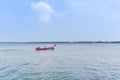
x=61 y=42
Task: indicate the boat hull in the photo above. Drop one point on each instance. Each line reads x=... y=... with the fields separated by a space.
x=45 y=48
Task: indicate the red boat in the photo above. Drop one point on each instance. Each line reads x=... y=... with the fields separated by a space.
x=46 y=48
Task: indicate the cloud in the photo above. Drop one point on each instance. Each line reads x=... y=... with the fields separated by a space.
x=43 y=9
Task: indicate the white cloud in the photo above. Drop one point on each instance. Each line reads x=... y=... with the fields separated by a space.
x=44 y=10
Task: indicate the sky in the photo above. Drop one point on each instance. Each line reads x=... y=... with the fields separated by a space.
x=59 y=20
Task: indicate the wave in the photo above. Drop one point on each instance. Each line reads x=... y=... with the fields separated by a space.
x=7 y=50
x=8 y=71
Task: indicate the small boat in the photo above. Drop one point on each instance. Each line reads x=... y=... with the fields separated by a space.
x=46 y=48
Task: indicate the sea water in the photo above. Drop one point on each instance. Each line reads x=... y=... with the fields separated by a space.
x=97 y=61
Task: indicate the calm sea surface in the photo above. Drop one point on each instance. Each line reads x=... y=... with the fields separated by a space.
x=20 y=61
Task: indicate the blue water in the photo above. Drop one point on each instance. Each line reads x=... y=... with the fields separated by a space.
x=67 y=62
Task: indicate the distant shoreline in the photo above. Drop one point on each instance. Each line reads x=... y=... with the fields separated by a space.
x=69 y=42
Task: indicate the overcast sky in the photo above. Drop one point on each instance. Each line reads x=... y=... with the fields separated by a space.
x=59 y=20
